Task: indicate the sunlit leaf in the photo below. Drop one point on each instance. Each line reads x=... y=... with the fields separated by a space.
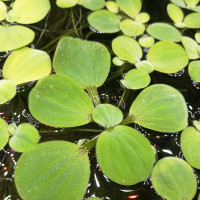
x=167 y=57
x=14 y=37
x=127 y=48
x=194 y=70
x=112 y=6
x=142 y=17
x=107 y=115
x=125 y=155
x=145 y=65
x=191 y=3
x=12 y=16
x=164 y=31
x=7 y=90
x=197 y=37
x=4 y=135
x=192 y=20
x=31 y=11
x=25 y=137
x=161 y=108
x=3 y=10
x=136 y=79
x=87 y=62
x=26 y=64
x=105 y=21
x=130 y=7
x=59 y=101
x=146 y=41
x=117 y=61
x=66 y=3
x=92 y=4
x=93 y=198
x=191 y=47
x=12 y=128
x=173 y=178
x=180 y=3
x=52 y=170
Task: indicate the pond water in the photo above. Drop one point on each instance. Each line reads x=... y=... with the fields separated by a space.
x=62 y=22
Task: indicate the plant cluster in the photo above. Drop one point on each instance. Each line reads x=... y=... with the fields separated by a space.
x=69 y=98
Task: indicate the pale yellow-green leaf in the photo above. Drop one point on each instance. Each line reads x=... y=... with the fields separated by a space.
x=12 y=16
x=3 y=10
x=197 y=37
x=145 y=65
x=112 y=6
x=180 y=3
x=117 y=61
x=146 y=41
x=175 y=13
x=66 y=3
x=194 y=70
x=92 y=4
x=4 y=135
x=191 y=3
x=192 y=20
x=142 y=17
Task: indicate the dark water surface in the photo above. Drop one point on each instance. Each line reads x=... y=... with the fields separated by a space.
x=62 y=21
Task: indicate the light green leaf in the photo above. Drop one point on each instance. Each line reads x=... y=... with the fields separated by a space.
x=117 y=61
x=25 y=137
x=12 y=128
x=59 y=101
x=3 y=10
x=14 y=37
x=136 y=79
x=130 y=7
x=180 y=3
x=4 y=135
x=191 y=47
x=105 y=21
x=146 y=41
x=142 y=17
x=173 y=178
x=66 y=3
x=112 y=6
x=196 y=9
x=127 y=49
x=92 y=4
x=175 y=13
x=107 y=115
x=7 y=90
x=164 y=31
x=93 y=198
x=191 y=3
x=145 y=65
x=12 y=16
x=26 y=64
x=87 y=62
x=194 y=70
x=192 y=20
x=190 y=142
x=161 y=108
x=131 y=28
x=124 y=155
x=52 y=170
x=31 y=11
x=197 y=37
x=167 y=57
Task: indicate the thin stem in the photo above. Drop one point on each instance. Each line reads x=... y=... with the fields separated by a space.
x=90 y=144
x=122 y=98
x=93 y=93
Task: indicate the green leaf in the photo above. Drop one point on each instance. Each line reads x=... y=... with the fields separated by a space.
x=180 y=3
x=66 y=3
x=191 y=3
x=52 y=170
x=105 y=21
x=7 y=90
x=190 y=142
x=197 y=37
x=142 y=17
x=12 y=128
x=164 y=31
x=194 y=70
x=26 y=64
x=4 y=135
x=25 y=137
x=107 y=115
x=112 y=6
x=191 y=47
x=192 y=20
x=136 y=79
x=173 y=178
x=12 y=16
x=124 y=155
x=161 y=108
x=31 y=11
x=59 y=101
x=87 y=62
x=130 y=7
x=117 y=61
x=146 y=41
x=16 y=36
x=132 y=28
x=127 y=49
x=93 y=198
x=92 y=4
x=145 y=65
x=3 y=10
x=167 y=57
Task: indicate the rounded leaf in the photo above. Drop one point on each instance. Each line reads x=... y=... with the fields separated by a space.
x=127 y=48
x=59 y=101
x=112 y=6
x=191 y=3
x=173 y=178
x=175 y=13
x=105 y=21
x=142 y=17
x=136 y=79
x=87 y=62
x=16 y=36
x=3 y=10
x=145 y=65
x=12 y=16
x=164 y=31
x=25 y=137
x=7 y=90
x=12 y=128
x=66 y=3
x=167 y=57
x=107 y=115
x=130 y=7
x=194 y=70
x=165 y=113
x=52 y=170
x=26 y=64
x=191 y=47
x=192 y=20
x=132 y=28
x=31 y=11
x=125 y=155
x=146 y=41
x=197 y=37
x=92 y=4
x=117 y=61
x=4 y=135
x=180 y=3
